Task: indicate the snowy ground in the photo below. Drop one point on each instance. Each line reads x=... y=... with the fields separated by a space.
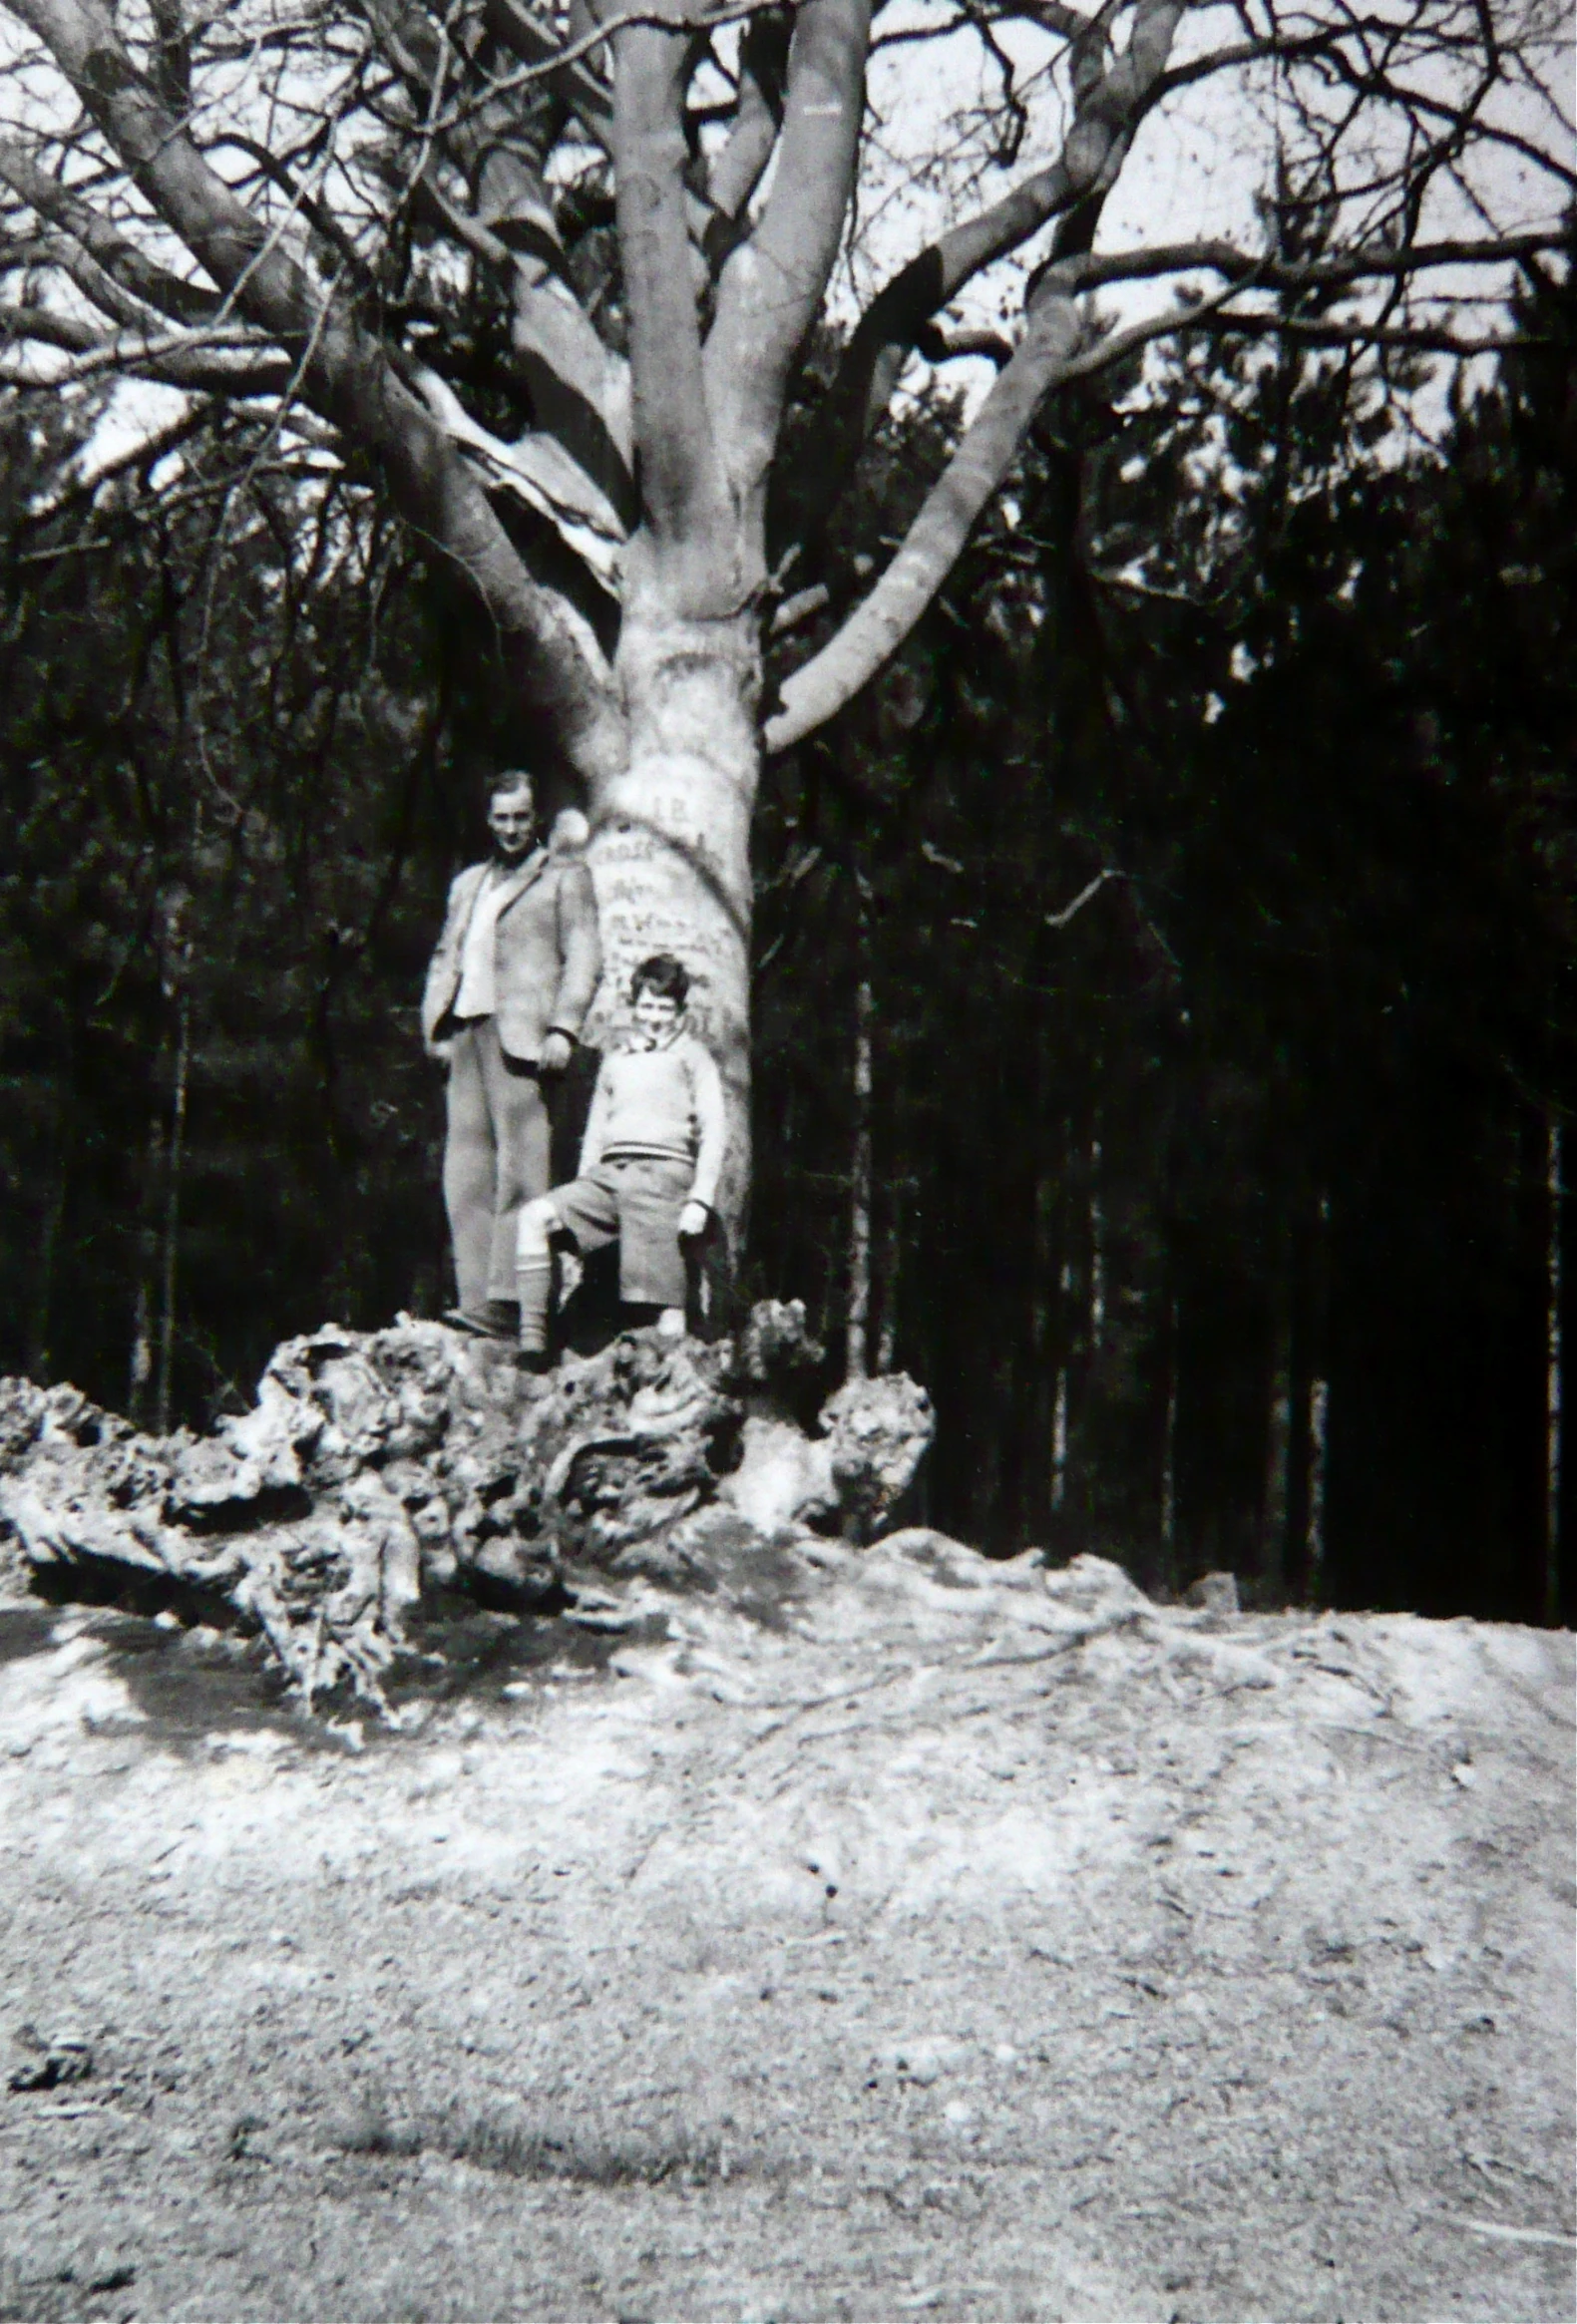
x=957 y=1942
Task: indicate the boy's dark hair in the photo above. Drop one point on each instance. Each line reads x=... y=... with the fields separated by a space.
x=662 y=975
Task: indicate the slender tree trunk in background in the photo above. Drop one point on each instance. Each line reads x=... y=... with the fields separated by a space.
x=172 y=1235
x=1169 y=1450
x=1300 y=1381
x=1073 y=1311
x=891 y=1276
x=1097 y=1252
x=139 y=1371
x=1042 y=1345
x=1314 y=1543
x=857 y=1358
x=1308 y=1392
x=1552 y=1382
x=1059 y=1443
x=39 y=1326
x=1278 y=1437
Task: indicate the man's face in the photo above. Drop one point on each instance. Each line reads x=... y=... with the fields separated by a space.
x=512 y=819
x=657 y=1017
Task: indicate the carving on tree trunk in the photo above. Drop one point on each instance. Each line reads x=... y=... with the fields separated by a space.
x=545 y=281
x=670 y=847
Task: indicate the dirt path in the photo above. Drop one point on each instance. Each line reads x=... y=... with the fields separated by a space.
x=968 y=1946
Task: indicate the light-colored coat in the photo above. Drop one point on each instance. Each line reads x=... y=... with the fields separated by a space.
x=547 y=957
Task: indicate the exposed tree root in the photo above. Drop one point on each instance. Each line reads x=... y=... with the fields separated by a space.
x=376 y=1466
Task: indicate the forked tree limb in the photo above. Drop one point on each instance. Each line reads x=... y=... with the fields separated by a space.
x=1110 y=96
x=578 y=388
x=1047 y=357
x=772 y=286
x=344 y=373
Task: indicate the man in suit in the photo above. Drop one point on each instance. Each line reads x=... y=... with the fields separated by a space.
x=507 y=993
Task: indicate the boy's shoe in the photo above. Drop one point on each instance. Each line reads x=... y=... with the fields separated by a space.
x=536 y=1375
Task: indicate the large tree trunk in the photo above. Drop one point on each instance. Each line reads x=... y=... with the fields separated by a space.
x=670 y=846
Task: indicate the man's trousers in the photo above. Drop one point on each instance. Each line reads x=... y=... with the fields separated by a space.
x=496 y=1157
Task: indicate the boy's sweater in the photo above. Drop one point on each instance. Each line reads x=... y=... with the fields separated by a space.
x=666 y=1103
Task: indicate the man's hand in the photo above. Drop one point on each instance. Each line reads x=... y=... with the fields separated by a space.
x=693 y=1219
x=554 y=1053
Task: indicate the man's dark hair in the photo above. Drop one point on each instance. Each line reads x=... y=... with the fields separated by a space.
x=662 y=975
x=509 y=779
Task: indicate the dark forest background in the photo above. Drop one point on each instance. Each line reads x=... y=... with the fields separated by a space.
x=1216 y=1211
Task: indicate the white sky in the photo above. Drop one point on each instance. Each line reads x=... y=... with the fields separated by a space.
x=1196 y=167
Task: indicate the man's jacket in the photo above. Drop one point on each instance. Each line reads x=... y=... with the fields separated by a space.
x=546 y=960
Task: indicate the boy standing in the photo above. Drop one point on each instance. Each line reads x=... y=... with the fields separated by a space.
x=649 y=1164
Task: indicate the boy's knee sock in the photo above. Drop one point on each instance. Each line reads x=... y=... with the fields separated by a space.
x=534 y=1282
x=533 y=1275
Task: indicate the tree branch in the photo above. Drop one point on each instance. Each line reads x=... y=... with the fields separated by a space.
x=741 y=162
x=516 y=27
x=1047 y=358
x=344 y=373
x=1090 y=270
x=104 y=242
x=1109 y=96
x=210 y=361
x=681 y=486
x=1086 y=894
x=772 y=285
x=578 y=388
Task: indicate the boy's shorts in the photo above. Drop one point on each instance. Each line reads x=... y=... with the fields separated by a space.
x=637 y=1199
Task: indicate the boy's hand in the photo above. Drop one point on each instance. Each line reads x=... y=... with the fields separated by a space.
x=554 y=1053
x=693 y=1219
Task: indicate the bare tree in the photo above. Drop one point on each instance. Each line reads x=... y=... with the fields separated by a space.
x=544 y=272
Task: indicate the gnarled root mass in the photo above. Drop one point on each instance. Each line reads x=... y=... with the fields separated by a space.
x=379 y=1467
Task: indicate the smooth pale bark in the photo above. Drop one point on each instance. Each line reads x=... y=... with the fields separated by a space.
x=742 y=159
x=683 y=499
x=670 y=845
x=771 y=288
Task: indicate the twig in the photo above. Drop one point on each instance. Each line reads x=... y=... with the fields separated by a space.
x=1511 y=2234
x=1061 y=919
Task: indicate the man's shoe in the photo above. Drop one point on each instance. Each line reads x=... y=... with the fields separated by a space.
x=480 y=1326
